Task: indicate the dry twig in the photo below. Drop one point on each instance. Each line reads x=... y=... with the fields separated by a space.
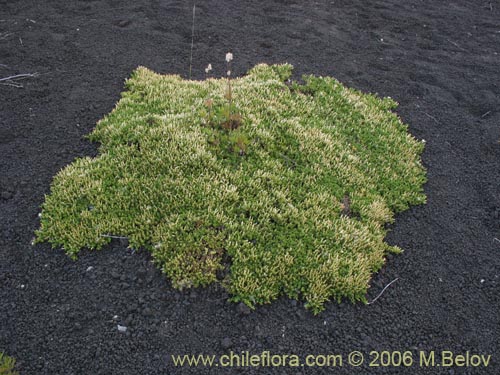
x=13 y=80
x=383 y=290
x=431 y=117
x=110 y=236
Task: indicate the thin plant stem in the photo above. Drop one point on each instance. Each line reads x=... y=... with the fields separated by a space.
x=230 y=93
x=192 y=43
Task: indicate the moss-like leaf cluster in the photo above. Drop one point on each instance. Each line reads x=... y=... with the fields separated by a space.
x=7 y=365
x=300 y=212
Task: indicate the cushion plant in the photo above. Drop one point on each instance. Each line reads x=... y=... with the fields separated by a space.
x=282 y=188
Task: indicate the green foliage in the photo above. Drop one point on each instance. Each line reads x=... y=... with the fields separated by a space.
x=294 y=200
x=7 y=365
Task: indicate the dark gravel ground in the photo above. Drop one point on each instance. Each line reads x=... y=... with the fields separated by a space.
x=439 y=59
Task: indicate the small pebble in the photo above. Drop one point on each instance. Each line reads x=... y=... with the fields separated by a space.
x=243 y=309
x=123 y=23
x=122 y=329
x=226 y=343
x=6 y=195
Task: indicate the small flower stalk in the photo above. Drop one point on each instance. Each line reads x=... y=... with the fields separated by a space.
x=229 y=96
x=224 y=119
x=232 y=117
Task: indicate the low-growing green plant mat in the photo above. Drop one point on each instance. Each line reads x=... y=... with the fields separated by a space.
x=7 y=365
x=293 y=199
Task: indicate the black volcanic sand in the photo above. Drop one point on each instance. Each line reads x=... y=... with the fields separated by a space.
x=439 y=59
